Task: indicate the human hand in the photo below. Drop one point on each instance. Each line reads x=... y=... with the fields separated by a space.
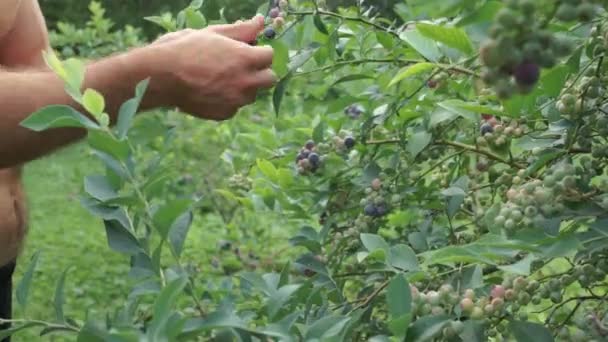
x=211 y=73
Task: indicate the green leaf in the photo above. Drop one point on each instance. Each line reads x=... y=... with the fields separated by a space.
x=374 y=242
x=279 y=92
x=280 y=59
x=93 y=102
x=418 y=142
x=279 y=298
x=451 y=36
x=57 y=116
x=104 y=142
x=100 y=188
x=59 y=299
x=528 y=331
x=129 y=109
x=120 y=238
x=410 y=71
x=165 y=216
x=195 y=19
x=403 y=258
x=399 y=301
x=326 y=327
x=23 y=289
x=162 y=307
x=9 y=332
x=521 y=267
x=267 y=169
x=554 y=79
x=426 y=328
x=179 y=232
x=423 y=45
x=320 y=25
x=93 y=332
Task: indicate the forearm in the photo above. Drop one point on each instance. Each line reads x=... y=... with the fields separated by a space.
x=22 y=93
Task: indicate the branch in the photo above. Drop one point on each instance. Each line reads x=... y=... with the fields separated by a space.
x=357 y=19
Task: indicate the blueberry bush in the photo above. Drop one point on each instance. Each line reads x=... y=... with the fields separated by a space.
x=436 y=177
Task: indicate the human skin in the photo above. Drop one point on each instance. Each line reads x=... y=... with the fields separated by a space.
x=207 y=73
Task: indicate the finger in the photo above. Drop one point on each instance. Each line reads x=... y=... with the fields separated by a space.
x=246 y=31
x=261 y=57
x=264 y=79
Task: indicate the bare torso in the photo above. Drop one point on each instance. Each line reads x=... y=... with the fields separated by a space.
x=22 y=37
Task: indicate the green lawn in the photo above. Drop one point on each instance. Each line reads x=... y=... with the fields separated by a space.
x=67 y=236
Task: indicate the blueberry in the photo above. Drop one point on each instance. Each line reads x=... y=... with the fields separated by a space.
x=305 y=152
x=224 y=245
x=270 y=33
x=381 y=210
x=314 y=159
x=486 y=128
x=274 y=12
x=370 y=210
x=300 y=156
x=527 y=74
x=349 y=142
x=310 y=145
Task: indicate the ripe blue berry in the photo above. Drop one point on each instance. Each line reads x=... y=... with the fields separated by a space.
x=486 y=128
x=349 y=142
x=270 y=33
x=370 y=210
x=527 y=74
x=310 y=144
x=314 y=159
x=381 y=210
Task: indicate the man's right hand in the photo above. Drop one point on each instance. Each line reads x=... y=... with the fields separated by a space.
x=209 y=73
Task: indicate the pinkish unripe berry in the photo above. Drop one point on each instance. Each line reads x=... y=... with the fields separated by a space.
x=520 y=283
x=278 y=22
x=376 y=184
x=510 y=294
x=498 y=291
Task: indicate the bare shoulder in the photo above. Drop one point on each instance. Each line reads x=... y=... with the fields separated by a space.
x=8 y=13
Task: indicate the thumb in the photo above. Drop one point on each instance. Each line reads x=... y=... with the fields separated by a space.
x=245 y=31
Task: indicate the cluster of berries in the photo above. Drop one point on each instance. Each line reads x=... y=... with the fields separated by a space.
x=309 y=160
x=375 y=203
x=569 y=10
x=578 y=99
x=239 y=182
x=498 y=134
x=343 y=142
x=276 y=18
x=517 y=49
x=528 y=204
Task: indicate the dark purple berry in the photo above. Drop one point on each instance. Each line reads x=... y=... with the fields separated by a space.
x=486 y=128
x=224 y=245
x=370 y=210
x=300 y=156
x=270 y=33
x=527 y=74
x=274 y=12
x=310 y=145
x=381 y=210
x=305 y=152
x=349 y=142
x=314 y=159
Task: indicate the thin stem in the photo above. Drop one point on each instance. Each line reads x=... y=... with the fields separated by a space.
x=373 y=295
x=356 y=19
x=65 y=326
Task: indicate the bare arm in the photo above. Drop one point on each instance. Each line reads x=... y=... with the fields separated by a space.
x=22 y=93
x=209 y=83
